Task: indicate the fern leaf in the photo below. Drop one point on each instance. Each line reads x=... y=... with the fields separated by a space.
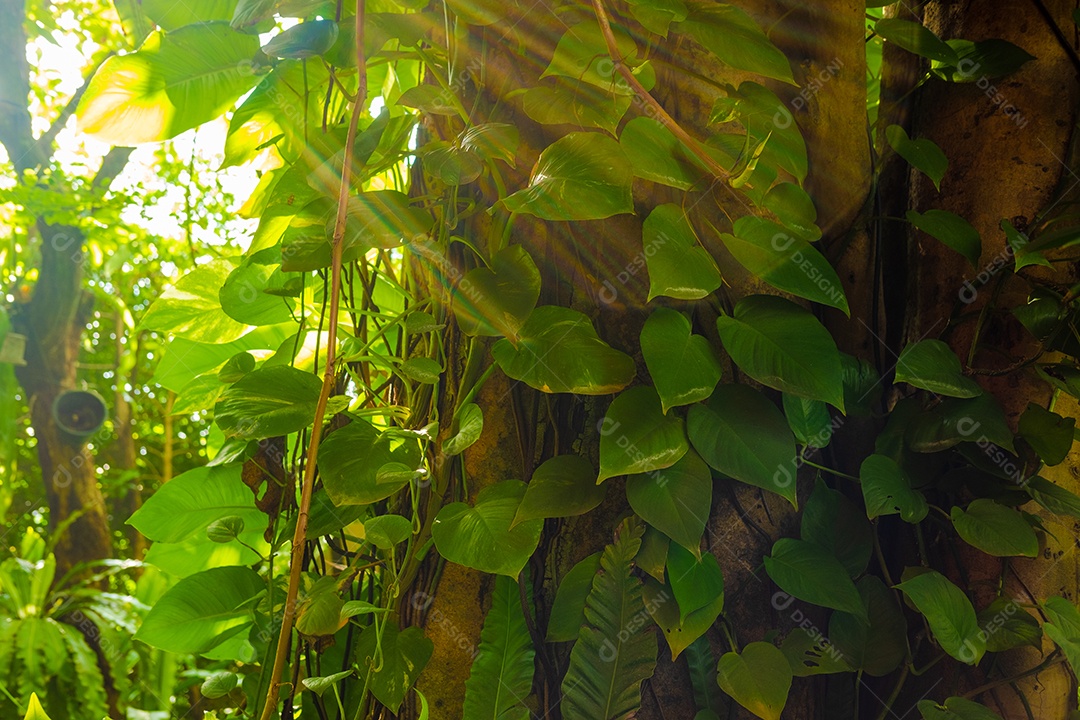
x=502 y=673
x=90 y=699
x=616 y=648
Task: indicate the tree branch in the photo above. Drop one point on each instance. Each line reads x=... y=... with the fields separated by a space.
x=16 y=134
x=45 y=142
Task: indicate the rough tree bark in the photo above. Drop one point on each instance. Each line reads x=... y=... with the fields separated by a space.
x=55 y=317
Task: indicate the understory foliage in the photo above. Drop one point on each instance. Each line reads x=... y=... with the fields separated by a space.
x=343 y=354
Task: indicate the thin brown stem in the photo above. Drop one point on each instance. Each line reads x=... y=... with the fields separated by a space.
x=329 y=379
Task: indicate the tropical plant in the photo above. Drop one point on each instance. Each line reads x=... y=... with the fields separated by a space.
x=496 y=243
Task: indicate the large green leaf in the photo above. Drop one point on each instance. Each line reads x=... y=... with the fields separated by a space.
x=581 y=176
x=932 y=365
x=784 y=346
x=1053 y=497
x=887 y=490
x=770 y=130
x=696 y=581
x=170 y=16
x=185 y=505
x=1007 y=626
x=743 y=435
x=675 y=501
x=759 y=679
x=568 y=609
x=915 y=37
x=977 y=61
x=572 y=102
x=502 y=673
x=1063 y=627
x=176 y=81
x=995 y=529
x=735 y=38
x=681 y=629
x=636 y=436
x=949 y=613
x=359 y=465
x=614 y=653
x=191 y=308
x=683 y=366
x=202 y=611
x=678 y=266
x=789 y=263
x=835 y=523
x=809 y=420
x=875 y=642
x=249 y=296
x=951 y=229
x=810 y=653
x=305 y=40
x=563 y=486
x=582 y=54
x=657 y=155
x=274 y=400
x=396 y=659
x=198 y=552
x=922 y=154
x=481 y=536
x=811 y=573
x=497 y=300
x=1049 y=434
x=559 y=352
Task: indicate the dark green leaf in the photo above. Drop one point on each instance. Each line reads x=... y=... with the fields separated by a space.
x=735 y=38
x=1007 y=625
x=924 y=155
x=695 y=582
x=809 y=420
x=470 y=425
x=274 y=400
x=758 y=679
x=1053 y=497
x=950 y=615
x=568 y=609
x=1049 y=434
x=562 y=486
x=794 y=208
x=995 y=529
x=1063 y=627
x=876 y=642
x=683 y=366
x=784 y=346
x=403 y=655
x=810 y=653
x=680 y=631
x=956 y=708
x=932 y=365
x=219 y=684
x=741 y=434
x=386 y=531
x=675 y=501
x=575 y=103
x=986 y=59
x=811 y=573
x=834 y=522
x=915 y=37
x=496 y=301
x=422 y=370
x=351 y=458
x=308 y=39
x=492 y=141
x=951 y=229
x=656 y=154
x=887 y=490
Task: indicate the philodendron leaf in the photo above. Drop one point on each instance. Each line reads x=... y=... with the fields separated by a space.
x=683 y=366
x=568 y=609
x=269 y=401
x=995 y=529
x=191 y=308
x=202 y=611
x=809 y=420
x=1049 y=434
x=308 y=39
x=922 y=154
x=932 y=365
x=949 y=613
x=1063 y=627
x=956 y=708
x=562 y=486
x=977 y=61
x=581 y=176
x=696 y=582
x=1053 y=497
x=386 y=531
x=319 y=609
x=470 y=424
x=676 y=500
x=759 y=679
x=679 y=267
x=574 y=102
x=481 y=537
x=778 y=257
x=560 y=352
x=355 y=464
x=636 y=436
x=176 y=81
x=226 y=529
x=582 y=54
x=887 y=490
x=403 y=655
x=502 y=672
x=784 y=346
x=497 y=300
x=187 y=504
x=319 y=685
x=735 y=38
x=810 y=653
x=657 y=155
x=614 y=653
x=743 y=435
x=834 y=522
x=876 y=642
x=1007 y=625
x=915 y=37
x=951 y=229
x=811 y=573
x=681 y=629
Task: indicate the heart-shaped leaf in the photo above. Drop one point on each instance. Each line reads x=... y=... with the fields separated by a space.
x=834 y=522
x=1049 y=434
x=481 y=537
x=636 y=436
x=741 y=434
x=470 y=425
x=679 y=631
x=875 y=642
x=394 y=659
x=995 y=529
x=273 y=400
x=696 y=582
x=734 y=37
x=759 y=679
x=683 y=366
x=949 y=613
x=581 y=176
x=359 y=465
x=811 y=573
x=932 y=365
x=887 y=490
x=676 y=501
x=558 y=351
x=657 y=155
x=308 y=39
x=781 y=345
x=563 y=486
x=496 y=301
x=678 y=266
